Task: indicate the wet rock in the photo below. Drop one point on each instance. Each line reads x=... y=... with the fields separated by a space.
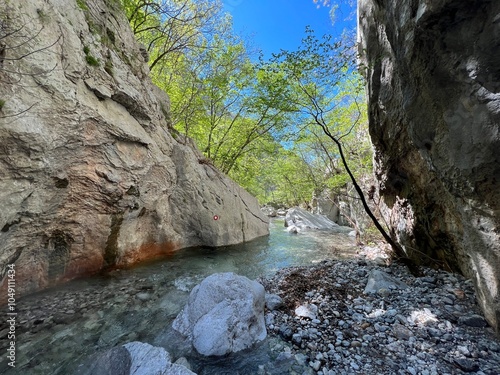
x=224 y=314
x=115 y=361
x=424 y=100
x=182 y=361
x=133 y=358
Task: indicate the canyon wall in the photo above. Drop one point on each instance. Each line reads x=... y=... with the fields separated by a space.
x=433 y=81
x=90 y=175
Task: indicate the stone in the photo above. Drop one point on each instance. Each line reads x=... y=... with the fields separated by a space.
x=269 y=211
x=133 y=358
x=104 y=183
x=473 y=321
x=224 y=314
x=285 y=331
x=299 y=219
x=379 y=280
x=434 y=109
x=143 y=296
x=182 y=361
x=307 y=311
x=273 y=301
x=466 y=365
x=147 y=359
x=115 y=361
x=401 y=332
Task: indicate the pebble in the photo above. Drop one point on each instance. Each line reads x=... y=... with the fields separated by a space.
x=427 y=328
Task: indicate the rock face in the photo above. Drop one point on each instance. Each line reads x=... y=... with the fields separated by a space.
x=90 y=175
x=434 y=112
x=224 y=314
x=298 y=219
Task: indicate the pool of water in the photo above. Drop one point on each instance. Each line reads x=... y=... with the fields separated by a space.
x=62 y=327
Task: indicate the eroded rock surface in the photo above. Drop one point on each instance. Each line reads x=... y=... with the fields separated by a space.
x=133 y=358
x=224 y=314
x=434 y=112
x=299 y=219
x=90 y=175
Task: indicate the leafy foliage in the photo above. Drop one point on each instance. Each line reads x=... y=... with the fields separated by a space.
x=253 y=119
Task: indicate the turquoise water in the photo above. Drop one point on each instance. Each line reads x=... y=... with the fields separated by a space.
x=105 y=311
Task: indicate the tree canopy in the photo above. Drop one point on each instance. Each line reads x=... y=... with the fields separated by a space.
x=255 y=119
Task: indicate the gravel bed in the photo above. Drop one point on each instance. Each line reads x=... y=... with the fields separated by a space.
x=429 y=325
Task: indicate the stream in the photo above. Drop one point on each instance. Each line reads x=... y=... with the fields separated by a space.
x=60 y=328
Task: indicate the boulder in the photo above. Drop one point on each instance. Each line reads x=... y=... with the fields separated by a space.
x=92 y=175
x=434 y=115
x=134 y=358
x=224 y=314
x=379 y=280
x=273 y=301
x=299 y=219
x=269 y=211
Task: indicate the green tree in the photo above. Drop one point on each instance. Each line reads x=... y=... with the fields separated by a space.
x=311 y=78
x=170 y=28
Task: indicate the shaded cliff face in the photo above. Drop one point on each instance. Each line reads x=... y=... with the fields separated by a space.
x=90 y=177
x=433 y=72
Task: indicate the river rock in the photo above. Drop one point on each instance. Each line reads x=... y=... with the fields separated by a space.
x=273 y=301
x=224 y=314
x=307 y=311
x=92 y=175
x=134 y=358
x=300 y=219
x=269 y=211
x=434 y=115
x=382 y=283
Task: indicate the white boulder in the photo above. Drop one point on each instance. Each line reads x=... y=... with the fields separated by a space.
x=224 y=314
x=133 y=358
x=299 y=219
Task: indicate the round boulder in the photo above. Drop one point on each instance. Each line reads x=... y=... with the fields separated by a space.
x=224 y=314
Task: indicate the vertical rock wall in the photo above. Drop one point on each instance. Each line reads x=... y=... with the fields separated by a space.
x=433 y=72
x=90 y=176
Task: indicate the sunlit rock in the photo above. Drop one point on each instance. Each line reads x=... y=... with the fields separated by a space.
x=434 y=114
x=93 y=177
x=224 y=314
x=303 y=219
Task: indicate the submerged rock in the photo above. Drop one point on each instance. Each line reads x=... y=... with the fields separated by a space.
x=224 y=314
x=134 y=358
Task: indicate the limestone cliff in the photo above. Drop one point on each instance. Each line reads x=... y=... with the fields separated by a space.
x=433 y=72
x=90 y=176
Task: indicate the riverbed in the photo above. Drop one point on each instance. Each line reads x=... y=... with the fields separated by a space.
x=60 y=328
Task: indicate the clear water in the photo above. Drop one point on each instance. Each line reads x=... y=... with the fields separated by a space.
x=106 y=310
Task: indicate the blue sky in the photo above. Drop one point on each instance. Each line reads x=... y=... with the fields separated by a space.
x=272 y=25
